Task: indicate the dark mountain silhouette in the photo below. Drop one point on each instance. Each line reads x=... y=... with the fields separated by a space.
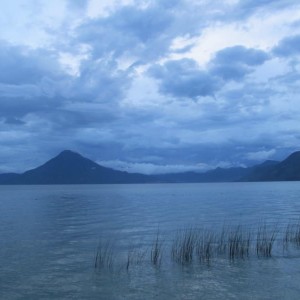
x=216 y=175
x=8 y=178
x=287 y=170
x=256 y=173
x=72 y=168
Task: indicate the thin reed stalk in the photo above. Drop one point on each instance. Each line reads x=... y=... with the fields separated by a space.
x=157 y=251
x=183 y=246
x=265 y=240
x=238 y=243
x=292 y=235
x=205 y=246
x=104 y=258
x=135 y=257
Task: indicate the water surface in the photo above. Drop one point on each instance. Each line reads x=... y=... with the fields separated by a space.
x=49 y=236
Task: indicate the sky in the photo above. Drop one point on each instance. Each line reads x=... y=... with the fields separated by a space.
x=149 y=86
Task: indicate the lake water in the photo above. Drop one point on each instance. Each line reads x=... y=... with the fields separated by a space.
x=49 y=236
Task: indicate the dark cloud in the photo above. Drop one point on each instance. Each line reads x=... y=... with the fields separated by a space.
x=31 y=81
x=140 y=33
x=288 y=46
x=256 y=4
x=13 y=121
x=100 y=81
x=246 y=8
x=240 y=55
x=129 y=31
x=234 y=63
x=249 y=102
x=235 y=72
x=103 y=109
x=184 y=78
x=21 y=65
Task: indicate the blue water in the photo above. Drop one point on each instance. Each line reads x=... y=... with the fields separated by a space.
x=49 y=237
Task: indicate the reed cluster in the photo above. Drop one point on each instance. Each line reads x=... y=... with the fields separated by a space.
x=292 y=235
x=157 y=251
x=265 y=240
x=194 y=245
x=184 y=245
x=104 y=258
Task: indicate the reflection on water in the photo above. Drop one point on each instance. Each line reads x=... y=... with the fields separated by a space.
x=49 y=236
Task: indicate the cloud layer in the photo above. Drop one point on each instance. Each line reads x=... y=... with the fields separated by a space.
x=149 y=85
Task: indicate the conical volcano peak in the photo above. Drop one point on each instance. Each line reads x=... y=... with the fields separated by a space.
x=67 y=153
x=70 y=167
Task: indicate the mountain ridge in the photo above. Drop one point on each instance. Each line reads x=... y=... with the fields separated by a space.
x=70 y=167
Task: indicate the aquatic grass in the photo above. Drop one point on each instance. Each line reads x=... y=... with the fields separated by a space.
x=292 y=235
x=194 y=245
x=135 y=257
x=183 y=246
x=265 y=240
x=205 y=246
x=105 y=255
x=239 y=241
x=222 y=241
x=156 y=251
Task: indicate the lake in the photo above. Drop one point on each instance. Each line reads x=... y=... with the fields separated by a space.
x=50 y=237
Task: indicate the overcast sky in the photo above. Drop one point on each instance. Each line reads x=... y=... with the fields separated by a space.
x=149 y=86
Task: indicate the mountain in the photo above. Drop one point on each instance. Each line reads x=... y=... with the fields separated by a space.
x=216 y=175
x=72 y=168
x=287 y=170
x=257 y=172
x=8 y=178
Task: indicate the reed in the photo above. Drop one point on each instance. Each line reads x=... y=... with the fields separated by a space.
x=292 y=235
x=156 y=251
x=135 y=257
x=222 y=241
x=239 y=241
x=265 y=240
x=104 y=258
x=202 y=246
x=183 y=246
x=205 y=246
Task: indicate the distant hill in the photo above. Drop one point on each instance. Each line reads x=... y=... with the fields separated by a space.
x=256 y=173
x=216 y=175
x=71 y=168
x=287 y=170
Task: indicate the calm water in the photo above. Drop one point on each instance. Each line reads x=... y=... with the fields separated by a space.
x=49 y=236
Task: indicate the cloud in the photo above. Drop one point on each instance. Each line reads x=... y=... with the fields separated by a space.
x=184 y=78
x=99 y=81
x=114 y=84
x=150 y=168
x=78 y=4
x=129 y=31
x=289 y=46
x=13 y=121
x=142 y=32
x=246 y=8
x=232 y=71
x=234 y=63
x=261 y=155
x=31 y=81
x=240 y=55
x=22 y=65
